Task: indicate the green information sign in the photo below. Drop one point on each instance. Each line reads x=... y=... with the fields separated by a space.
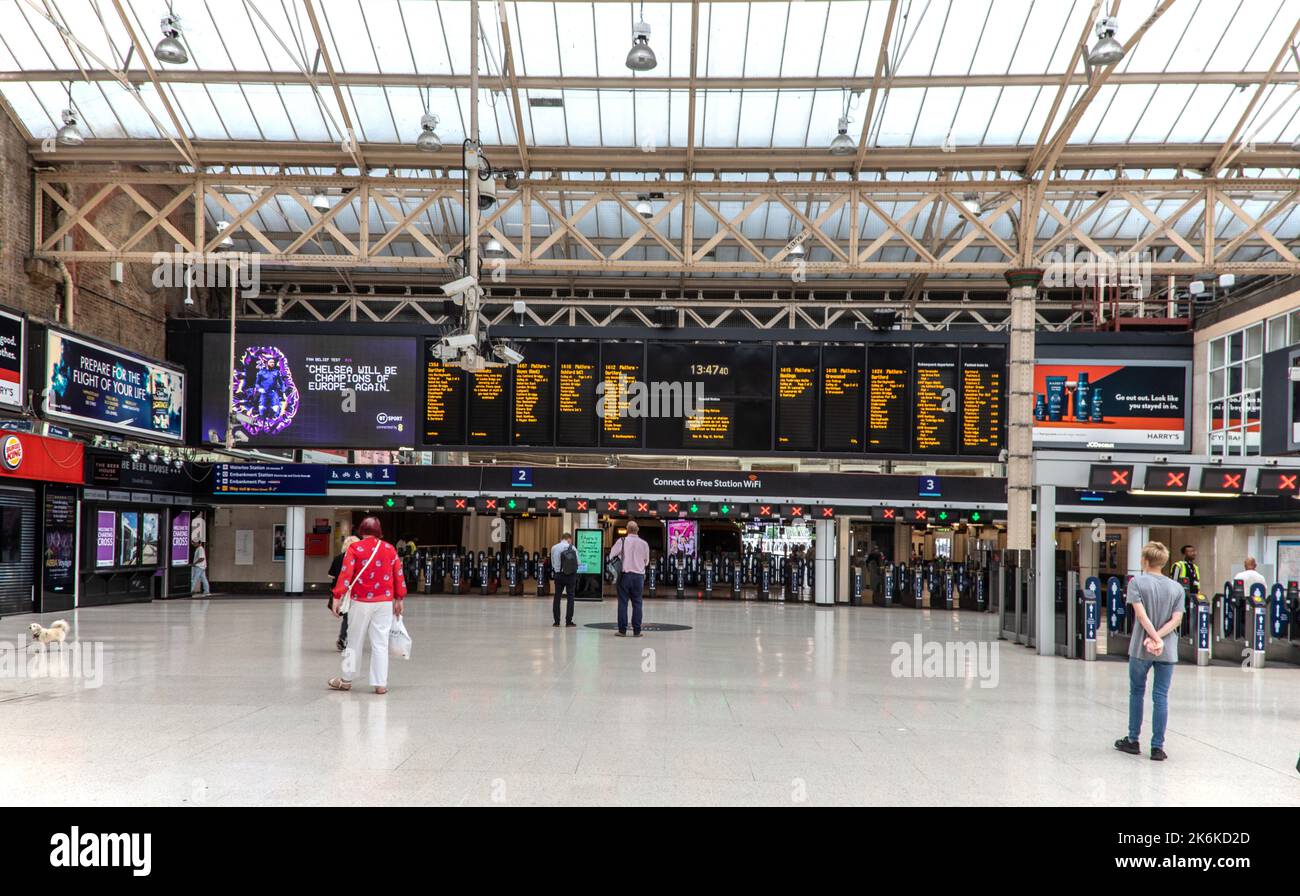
x=590 y=545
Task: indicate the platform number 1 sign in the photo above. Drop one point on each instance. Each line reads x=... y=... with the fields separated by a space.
x=521 y=477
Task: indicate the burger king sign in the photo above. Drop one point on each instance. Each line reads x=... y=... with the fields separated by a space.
x=11 y=452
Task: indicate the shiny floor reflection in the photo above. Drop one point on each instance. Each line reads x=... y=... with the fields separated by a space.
x=224 y=702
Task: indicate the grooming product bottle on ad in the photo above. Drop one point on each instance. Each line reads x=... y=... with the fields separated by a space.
x=1082 y=394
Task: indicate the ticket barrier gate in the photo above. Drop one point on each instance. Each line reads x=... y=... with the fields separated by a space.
x=1195 y=635
x=652 y=578
x=514 y=576
x=544 y=577
x=737 y=579
x=1017 y=623
x=1230 y=617
x=884 y=595
x=1066 y=614
x=708 y=578
x=913 y=582
x=1119 y=620
x=855 y=585
x=941 y=592
x=1284 y=623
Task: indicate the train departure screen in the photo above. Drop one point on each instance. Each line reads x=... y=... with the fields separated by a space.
x=444 y=402
x=534 y=422
x=577 y=372
x=934 y=426
x=889 y=399
x=622 y=374
x=983 y=400
x=843 y=379
x=795 y=426
x=489 y=407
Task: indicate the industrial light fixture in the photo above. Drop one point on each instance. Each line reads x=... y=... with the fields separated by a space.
x=492 y=249
x=641 y=58
x=1196 y=288
x=644 y=208
x=170 y=49
x=1107 y=50
x=153 y=457
x=428 y=140
x=842 y=144
x=797 y=251
x=320 y=202
x=972 y=202
x=1227 y=281
x=135 y=457
x=70 y=134
x=227 y=241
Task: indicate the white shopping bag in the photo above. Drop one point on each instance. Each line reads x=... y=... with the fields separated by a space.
x=399 y=640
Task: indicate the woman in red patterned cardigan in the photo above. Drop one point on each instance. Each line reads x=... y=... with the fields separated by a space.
x=372 y=569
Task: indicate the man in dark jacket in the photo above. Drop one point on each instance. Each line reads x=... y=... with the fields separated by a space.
x=564 y=560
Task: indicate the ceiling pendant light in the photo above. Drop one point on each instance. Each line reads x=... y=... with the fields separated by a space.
x=1107 y=50
x=428 y=140
x=320 y=202
x=492 y=249
x=644 y=208
x=641 y=58
x=972 y=202
x=843 y=144
x=797 y=251
x=170 y=49
x=70 y=134
x=227 y=241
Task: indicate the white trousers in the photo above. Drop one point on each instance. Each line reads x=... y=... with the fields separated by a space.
x=368 y=622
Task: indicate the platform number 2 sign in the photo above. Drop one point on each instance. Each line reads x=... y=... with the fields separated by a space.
x=521 y=477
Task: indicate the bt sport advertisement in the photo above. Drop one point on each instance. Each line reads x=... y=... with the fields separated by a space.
x=293 y=391
x=106 y=388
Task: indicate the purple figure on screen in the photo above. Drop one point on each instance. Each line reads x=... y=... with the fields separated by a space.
x=266 y=399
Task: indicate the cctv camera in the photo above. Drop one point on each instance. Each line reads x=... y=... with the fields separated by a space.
x=459 y=287
x=459 y=341
x=507 y=353
x=487 y=193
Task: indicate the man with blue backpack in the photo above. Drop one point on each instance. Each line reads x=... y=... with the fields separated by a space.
x=564 y=560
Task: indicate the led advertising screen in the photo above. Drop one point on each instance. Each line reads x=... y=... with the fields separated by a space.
x=683 y=537
x=1131 y=405
x=107 y=388
x=297 y=391
x=105 y=539
x=12 y=342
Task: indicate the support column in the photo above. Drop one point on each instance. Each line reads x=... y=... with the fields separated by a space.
x=843 y=561
x=1045 y=573
x=1138 y=536
x=295 y=549
x=1020 y=407
x=826 y=552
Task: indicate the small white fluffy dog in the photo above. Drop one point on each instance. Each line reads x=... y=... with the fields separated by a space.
x=58 y=631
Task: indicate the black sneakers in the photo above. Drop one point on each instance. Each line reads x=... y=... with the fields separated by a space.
x=1124 y=745
x=1158 y=755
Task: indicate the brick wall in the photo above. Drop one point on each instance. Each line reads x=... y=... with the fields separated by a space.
x=132 y=313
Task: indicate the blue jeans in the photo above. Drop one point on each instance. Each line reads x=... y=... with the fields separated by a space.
x=629 y=589
x=199 y=576
x=1137 y=689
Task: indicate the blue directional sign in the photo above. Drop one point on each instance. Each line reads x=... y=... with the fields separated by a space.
x=521 y=477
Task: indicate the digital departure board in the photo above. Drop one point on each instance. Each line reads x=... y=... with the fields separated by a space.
x=729 y=387
x=489 y=407
x=576 y=376
x=934 y=385
x=983 y=400
x=842 y=396
x=444 y=403
x=797 y=387
x=875 y=399
x=889 y=399
x=622 y=368
x=534 y=423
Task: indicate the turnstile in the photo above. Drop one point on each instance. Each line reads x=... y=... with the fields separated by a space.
x=1017 y=588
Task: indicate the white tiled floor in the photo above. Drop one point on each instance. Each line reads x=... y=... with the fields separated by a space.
x=224 y=702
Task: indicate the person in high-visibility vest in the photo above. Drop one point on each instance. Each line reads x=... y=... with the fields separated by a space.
x=1186 y=568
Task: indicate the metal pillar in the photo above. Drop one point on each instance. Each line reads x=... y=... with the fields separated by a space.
x=825 y=555
x=1044 y=595
x=295 y=548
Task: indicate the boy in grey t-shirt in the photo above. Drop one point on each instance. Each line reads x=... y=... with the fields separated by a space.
x=1157 y=603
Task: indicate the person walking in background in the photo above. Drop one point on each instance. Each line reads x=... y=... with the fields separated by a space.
x=635 y=554
x=199 y=570
x=1157 y=603
x=336 y=568
x=1250 y=577
x=372 y=579
x=564 y=560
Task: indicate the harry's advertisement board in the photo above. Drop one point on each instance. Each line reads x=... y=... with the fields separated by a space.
x=105 y=388
x=1112 y=404
x=299 y=391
